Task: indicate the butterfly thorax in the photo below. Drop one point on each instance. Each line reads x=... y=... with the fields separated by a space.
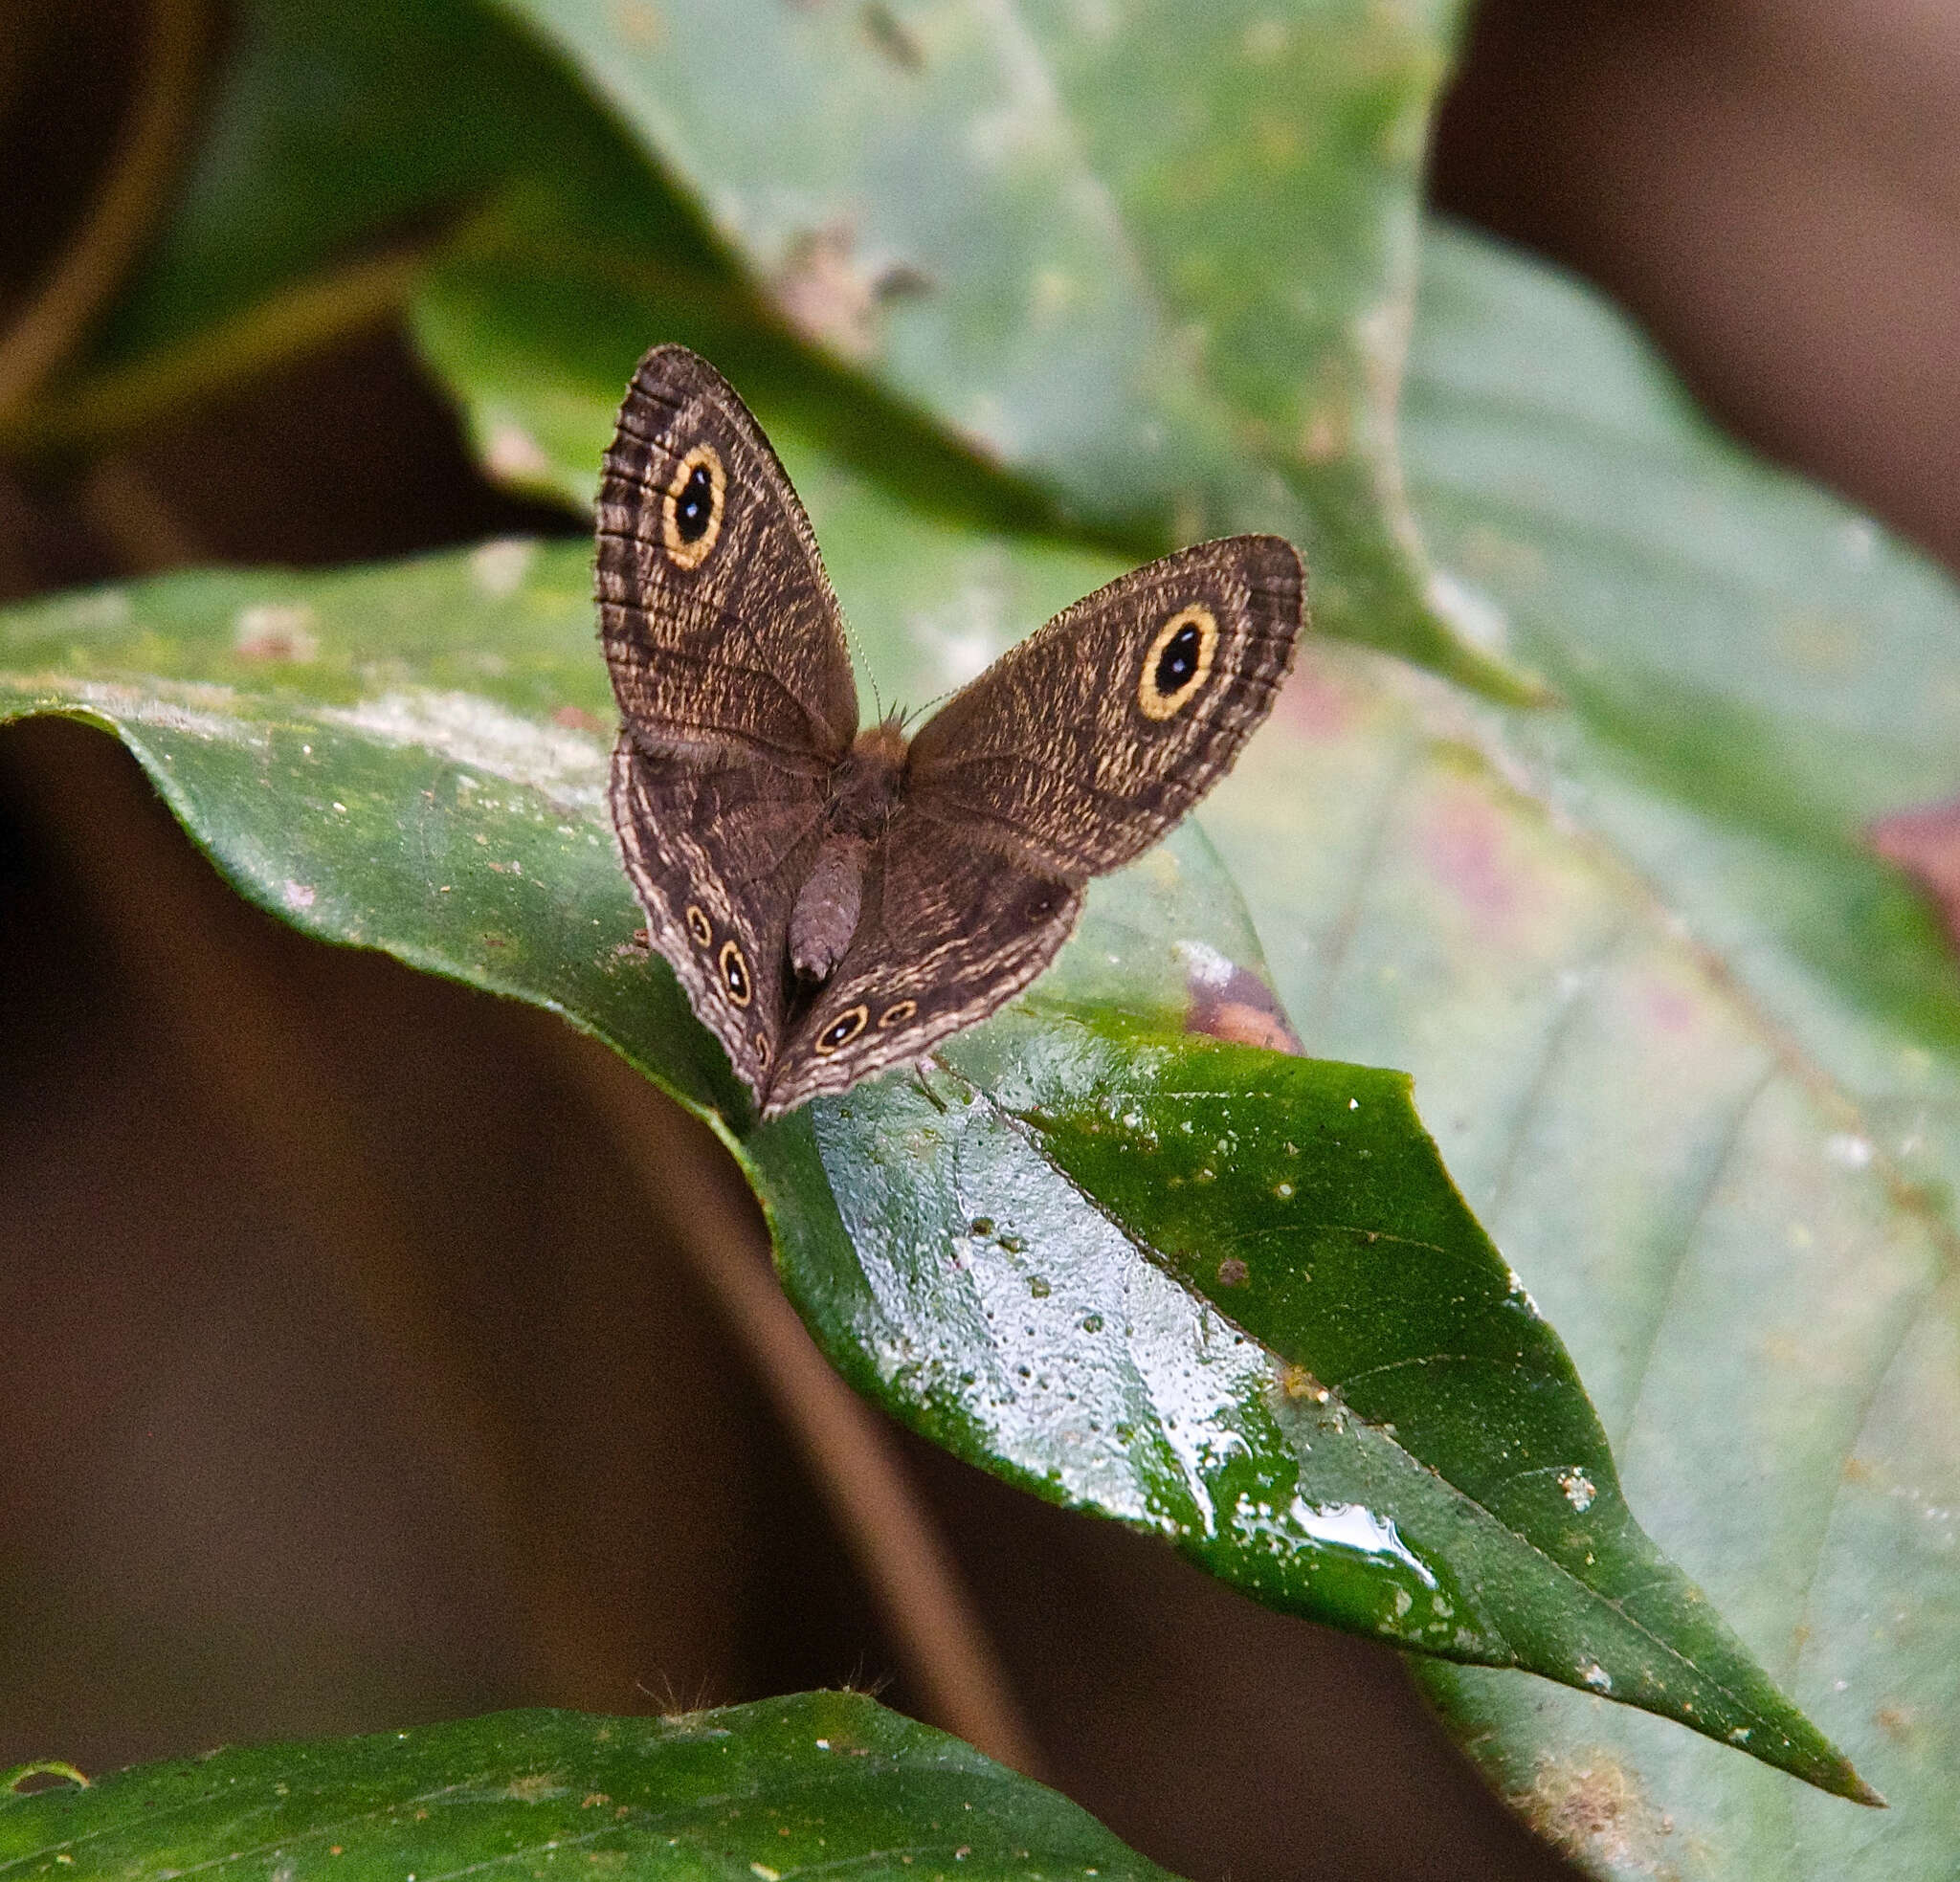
x=864 y=791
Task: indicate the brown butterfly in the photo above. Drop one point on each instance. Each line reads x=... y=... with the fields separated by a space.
x=834 y=901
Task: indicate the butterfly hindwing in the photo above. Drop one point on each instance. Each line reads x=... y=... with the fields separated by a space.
x=950 y=931
x=715 y=854
x=1083 y=745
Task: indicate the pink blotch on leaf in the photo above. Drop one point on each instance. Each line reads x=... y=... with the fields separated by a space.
x=1315 y=706
x=1925 y=844
x=1667 y=1008
x=1464 y=843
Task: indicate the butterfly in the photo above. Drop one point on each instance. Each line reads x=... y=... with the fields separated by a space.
x=833 y=900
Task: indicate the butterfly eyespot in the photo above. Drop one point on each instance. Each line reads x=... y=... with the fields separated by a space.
x=1178 y=662
x=700 y=927
x=735 y=974
x=691 y=510
x=762 y=1050
x=897 y=1013
x=840 y=1032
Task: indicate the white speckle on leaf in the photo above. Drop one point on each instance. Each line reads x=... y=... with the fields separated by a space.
x=106 y=607
x=477 y=732
x=1596 y=1676
x=987 y=423
x=1205 y=964
x=181 y=709
x=275 y=631
x=965 y=636
x=298 y=895
x=1579 y=1489
x=1050 y=294
x=498 y=568
x=1023 y=125
x=1265 y=40
x=1847 y=1148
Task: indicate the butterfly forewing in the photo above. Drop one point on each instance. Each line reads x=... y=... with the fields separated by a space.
x=1081 y=747
x=719 y=625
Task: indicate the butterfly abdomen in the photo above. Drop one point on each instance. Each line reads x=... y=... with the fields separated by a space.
x=826 y=907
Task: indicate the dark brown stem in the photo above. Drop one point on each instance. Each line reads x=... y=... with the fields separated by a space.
x=687 y=1176
x=205 y=966
x=299 y=319
x=124 y=209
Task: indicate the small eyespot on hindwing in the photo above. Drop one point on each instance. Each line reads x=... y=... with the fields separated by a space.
x=843 y=1029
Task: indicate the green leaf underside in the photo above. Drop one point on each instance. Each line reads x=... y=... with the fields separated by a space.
x=1159 y=268
x=422 y=772
x=786 y=1787
x=1686 y=1048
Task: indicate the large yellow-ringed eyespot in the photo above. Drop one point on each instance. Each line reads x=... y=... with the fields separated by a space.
x=1178 y=663
x=897 y=1013
x=735 y=974
x=691 y=510
x=699 y=926
x=843 y=1029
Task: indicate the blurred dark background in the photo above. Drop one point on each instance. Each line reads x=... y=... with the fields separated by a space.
x=349 y=1377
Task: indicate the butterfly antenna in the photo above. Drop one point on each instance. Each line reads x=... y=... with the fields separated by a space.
x=858 y=663
x=919 y=712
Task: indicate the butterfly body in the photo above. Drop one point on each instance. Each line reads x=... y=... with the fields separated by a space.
x=864 y=792
x=834 y=901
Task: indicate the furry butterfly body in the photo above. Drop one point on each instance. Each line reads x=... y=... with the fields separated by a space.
x=833 y=900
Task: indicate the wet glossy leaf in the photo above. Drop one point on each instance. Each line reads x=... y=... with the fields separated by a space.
x=1377 y=1432
x=765 y=1793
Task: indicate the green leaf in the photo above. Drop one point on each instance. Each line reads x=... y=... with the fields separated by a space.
x=1688 y=1050
x=1377 y=1432
x=1160 y=269
x=759 y=1793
